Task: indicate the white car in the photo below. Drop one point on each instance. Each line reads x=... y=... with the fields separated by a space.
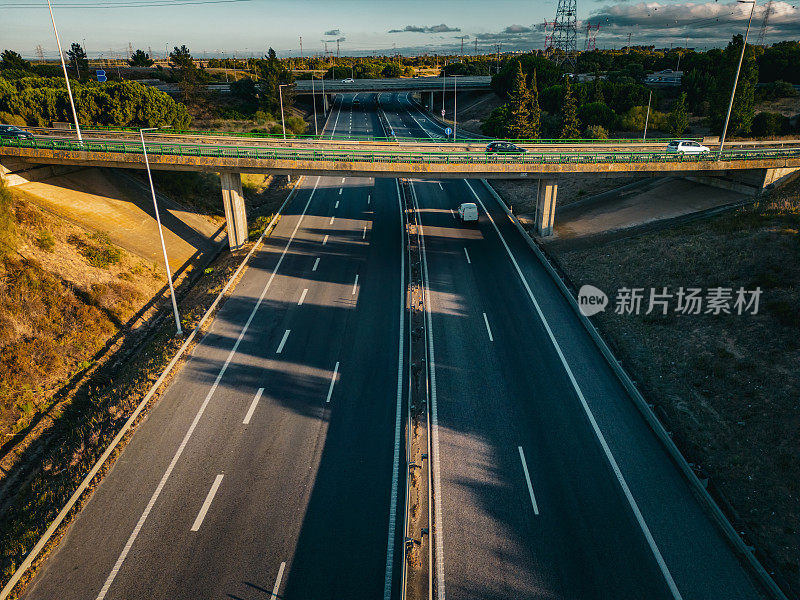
x=468 y=212
x=686 y=147
x=348 y=80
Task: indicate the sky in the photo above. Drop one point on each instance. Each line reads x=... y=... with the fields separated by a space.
x=248 y=27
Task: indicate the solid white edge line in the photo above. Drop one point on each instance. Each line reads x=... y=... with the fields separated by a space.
x=325 y=239
x=252 y=409
x=389 y=573
x=207 y=503
x=334 y=377
x=283 y=341
x=469 y=262
x=277 y=586
x=355 y=286
x=200 y=411
x=316 y=264
x=488 y=329
x=528 y=480
x=599 y=434
x=302 y=297
x=437 y=483
x=440 y=185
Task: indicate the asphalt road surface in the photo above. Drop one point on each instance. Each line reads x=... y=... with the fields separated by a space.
x=270 y=467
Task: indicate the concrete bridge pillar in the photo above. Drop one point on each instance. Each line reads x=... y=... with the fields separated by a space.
x=546 y=206
x=430 y=101
x=325 y=103
x=235 y=213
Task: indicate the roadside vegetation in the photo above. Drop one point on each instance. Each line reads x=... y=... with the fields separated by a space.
x=610 y=98
x=726 y=386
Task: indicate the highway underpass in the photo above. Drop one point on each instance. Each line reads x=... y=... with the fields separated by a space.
x=273 y=465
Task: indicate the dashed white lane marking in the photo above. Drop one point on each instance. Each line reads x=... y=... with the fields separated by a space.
x=302 y=297
x=277 y=587
x=343 y=178
x=316 y=264
x=452 y=213
x=324 y=240
x=176 y=457
x=488 y=329
x=440 y=185
x=676 y=594
x=528 y=480
x=469 y=262
x=369 y=197
x=252 y=409
x=340 y=191
x=336 y=205
x=334 y=377
x=364 y=235
x=283 y=341
x=355 y=286
x=331 y=223
x=207 y=503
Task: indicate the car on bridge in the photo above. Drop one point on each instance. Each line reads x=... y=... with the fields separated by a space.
x=686 y=147
x=504 y=148
x=348 y=80
x=14 y=132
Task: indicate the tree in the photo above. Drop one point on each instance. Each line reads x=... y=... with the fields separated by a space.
x=391 y=70
x=570 y=125
x=678 y=119
x=598 y=88
x=78 y=59
x=536 y=112
x=743 y=110
x=519 y=116
x=271 y=75
x=191 y=89
x=140 y=59
x=10 y=60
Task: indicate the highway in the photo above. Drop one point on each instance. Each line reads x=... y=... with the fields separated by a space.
x=302 y=473
x=273 y=465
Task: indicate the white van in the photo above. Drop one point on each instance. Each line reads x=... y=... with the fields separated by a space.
x=468 y=212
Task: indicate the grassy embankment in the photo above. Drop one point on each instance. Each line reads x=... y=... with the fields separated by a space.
x=727 y=386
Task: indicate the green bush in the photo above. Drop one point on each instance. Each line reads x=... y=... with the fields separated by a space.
x=776 y=89
x=98 y=250
x=767 y=124
x=596 y=132
x=634 y=120
x=295 y=125
x=598 y=113
x=46 y=241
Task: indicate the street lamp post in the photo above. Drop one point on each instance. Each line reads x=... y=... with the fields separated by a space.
x=66 y=77
x=280 y=94
x=160 y=230
x=736 y=79
x=455 y=105
x=647 y=118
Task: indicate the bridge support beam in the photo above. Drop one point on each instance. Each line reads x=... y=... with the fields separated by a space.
x=546 y=206
x=430 y=101
x=235 y=213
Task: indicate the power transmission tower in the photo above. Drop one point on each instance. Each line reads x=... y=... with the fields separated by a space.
x=40 y=54
x=301 y=47
x=591 y=37
x=763 y=33
x=476 y=46
x=565 y=32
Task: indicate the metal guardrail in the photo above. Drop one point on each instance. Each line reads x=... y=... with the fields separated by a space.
x=372 y=156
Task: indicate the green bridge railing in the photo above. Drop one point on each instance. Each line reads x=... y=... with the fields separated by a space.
x=438 y=157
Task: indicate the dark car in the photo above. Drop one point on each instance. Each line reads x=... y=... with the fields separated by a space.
x=504 y=148
x=11 y=131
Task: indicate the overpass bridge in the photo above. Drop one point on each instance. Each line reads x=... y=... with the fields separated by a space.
x=472 y=83
x=757 y=166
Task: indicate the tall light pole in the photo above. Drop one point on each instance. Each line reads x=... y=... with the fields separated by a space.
x=160 y=230
x=736 y=79
x=314 y=102
x=280 y=94
x=455 y=104
x=66 y=77
x=647 y=118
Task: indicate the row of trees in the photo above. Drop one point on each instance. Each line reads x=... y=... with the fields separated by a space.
x=39 y=101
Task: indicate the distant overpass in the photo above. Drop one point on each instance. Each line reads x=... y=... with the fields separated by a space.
x=402 y=84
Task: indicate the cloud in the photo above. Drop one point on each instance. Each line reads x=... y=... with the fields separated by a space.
x=704 y=24
x=334 y=32
x=514 y=29
x=441 y=28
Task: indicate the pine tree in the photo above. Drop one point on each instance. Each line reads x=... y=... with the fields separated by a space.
x=535 y=111
x=678 y=119
x=598 y=88
x=571 y=126
x=519 y=116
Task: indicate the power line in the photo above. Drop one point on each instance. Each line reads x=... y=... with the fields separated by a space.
x=124 y=4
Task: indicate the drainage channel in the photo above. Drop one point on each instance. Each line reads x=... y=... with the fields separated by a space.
x=418 y=566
